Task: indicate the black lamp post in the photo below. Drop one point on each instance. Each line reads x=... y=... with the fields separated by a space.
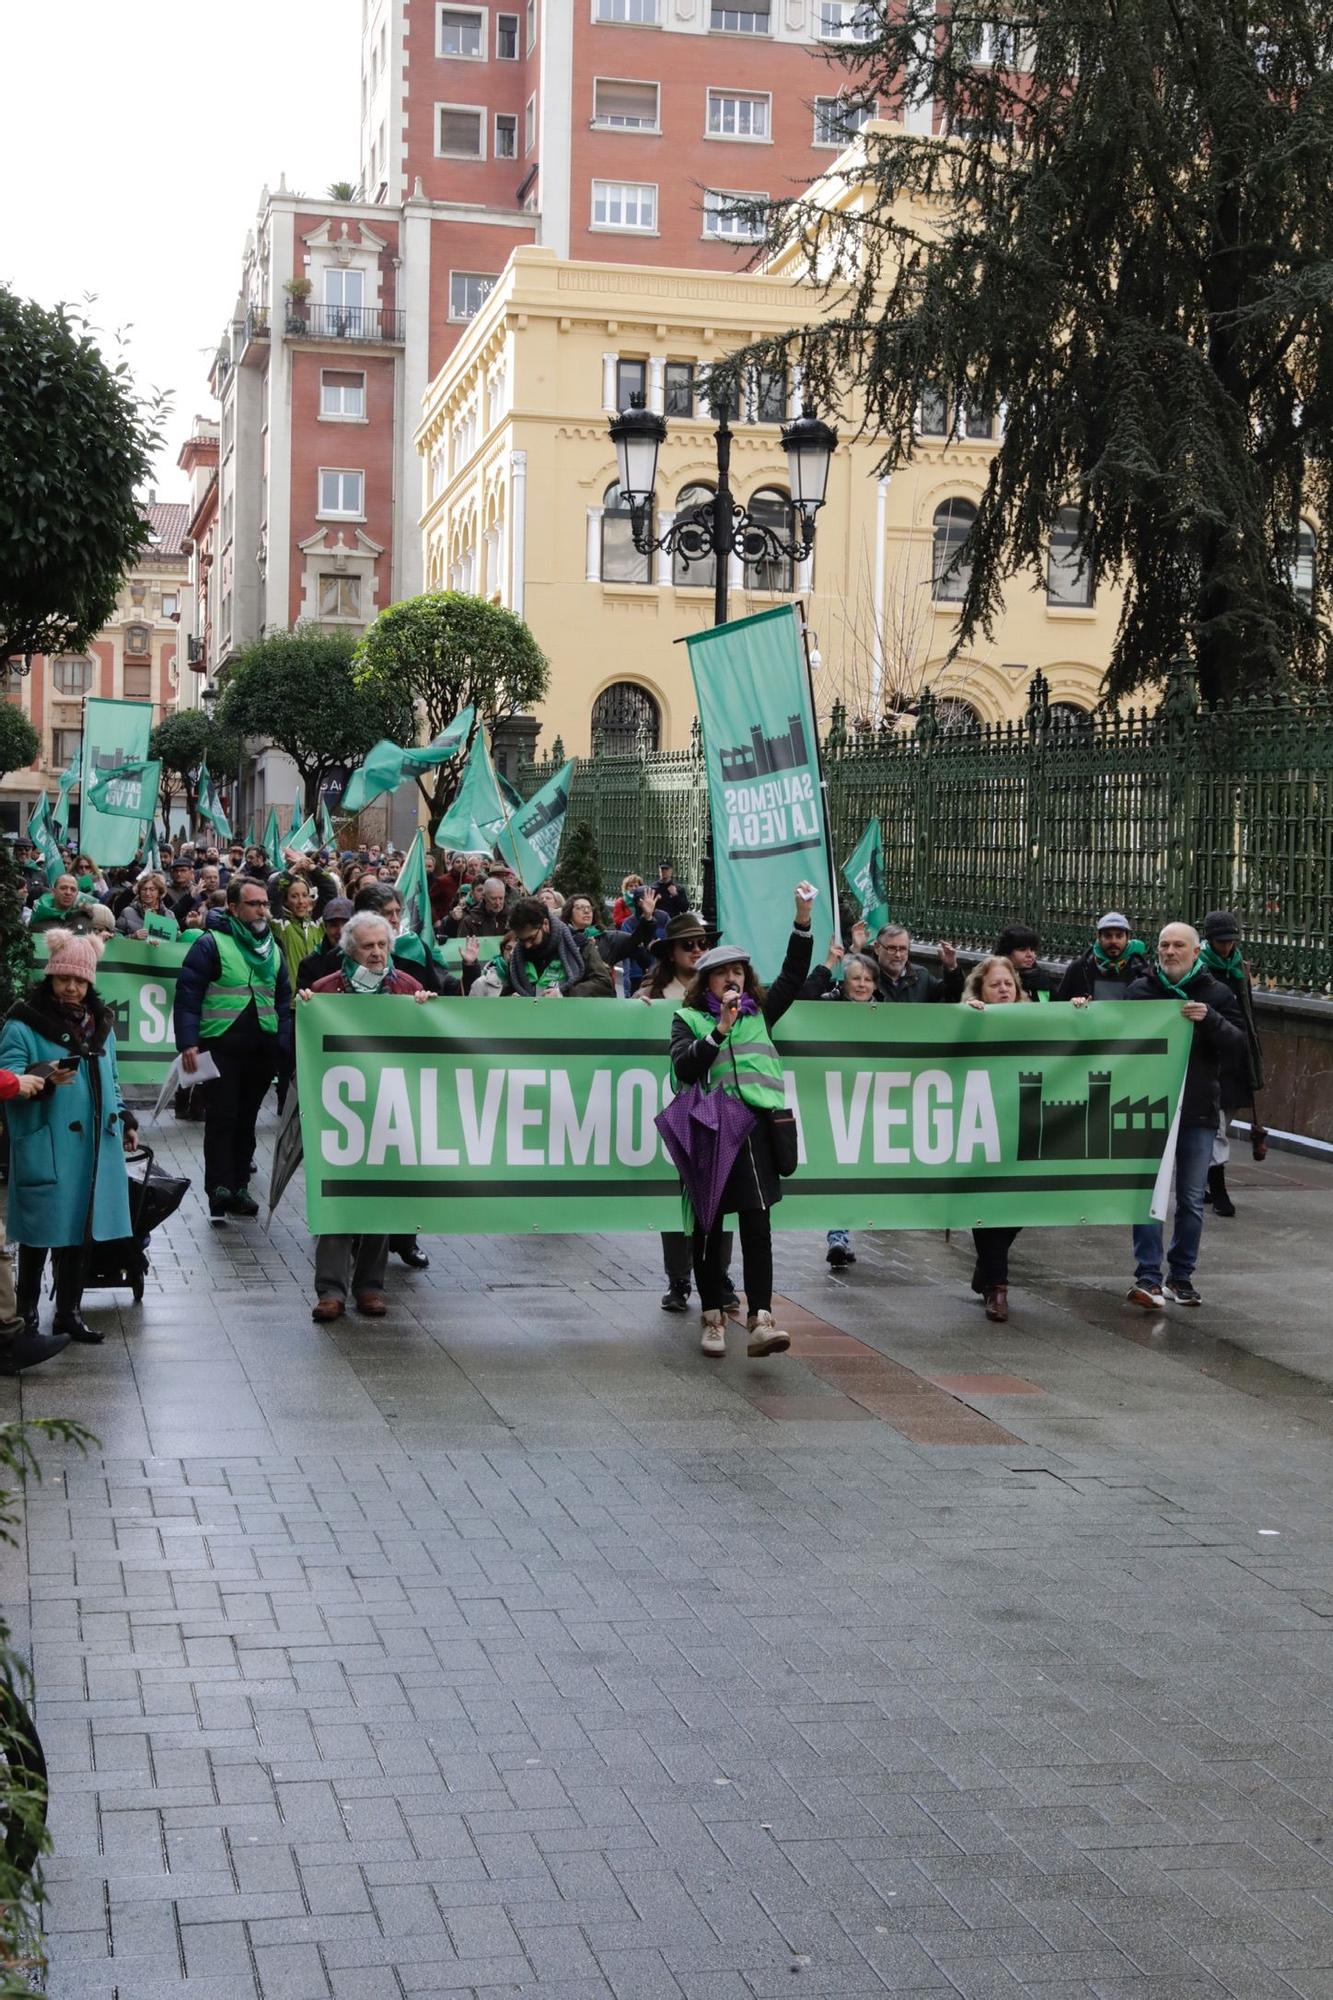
x=722 y=529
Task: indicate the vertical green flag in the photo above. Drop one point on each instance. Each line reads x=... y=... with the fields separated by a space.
x=864 y=876
x=531 y=841
x=478 y=814
x=42 y=838
x=413 y=885
x=69 y=778
x=128 y=791
x=209 y=806
x=273 y=839
x=327 y=836
x=115 y=733
x=305 y=837
x=762 y=760
x=250 y=831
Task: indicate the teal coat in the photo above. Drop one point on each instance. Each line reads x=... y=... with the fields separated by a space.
x=67 y=1179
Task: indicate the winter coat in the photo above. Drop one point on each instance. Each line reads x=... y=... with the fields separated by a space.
x=1218 y=1039
x=201 y=966
x=132 y=920
x=1084 y=979
x=592 y=983
x=754 y=1181
x=919 y=987
x=479 y=922
x=616 y=946
x=47 y=915
x=1244 y=1074
x=67 y=1179
x=297 y=938
x=396 y=981
x=435 y=978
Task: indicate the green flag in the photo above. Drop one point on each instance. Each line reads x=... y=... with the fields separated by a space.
x=327 y=836
x=413 y=885
x=127 y=791
x=273 y=839
x=69 y=778
x=388 y=764
x=306 y=837
x=531 y=841
x=864 y=876
x=478 y=815
x=115 y=733
x=152 y=852
x=42 y=838
x=209 y=806
x=250 y=831
x=762 y=760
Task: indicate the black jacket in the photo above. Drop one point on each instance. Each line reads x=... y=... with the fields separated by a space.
x=199 y=969
x=754 y=1181
x=1218 y=1039
x=1084 y=979
x=1244 y=1074
x=919 y=987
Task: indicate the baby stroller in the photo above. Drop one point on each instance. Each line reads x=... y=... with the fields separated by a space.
x=153 y=1197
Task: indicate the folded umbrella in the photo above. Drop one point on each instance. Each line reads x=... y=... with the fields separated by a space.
x=703 y=1131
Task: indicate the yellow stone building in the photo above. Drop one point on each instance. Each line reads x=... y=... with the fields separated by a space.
x=521 y=506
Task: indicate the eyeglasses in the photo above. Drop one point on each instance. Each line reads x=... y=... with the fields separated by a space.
x=690 y=944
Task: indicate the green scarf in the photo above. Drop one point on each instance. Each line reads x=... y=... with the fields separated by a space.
x=1134 y=949
x=258 y=953
x=1224 y=968
x=1182 y=991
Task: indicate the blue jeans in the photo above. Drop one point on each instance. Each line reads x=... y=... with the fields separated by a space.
x=1194 y=1153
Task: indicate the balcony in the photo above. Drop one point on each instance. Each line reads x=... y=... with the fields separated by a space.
x=252 y=348
x=376 y=324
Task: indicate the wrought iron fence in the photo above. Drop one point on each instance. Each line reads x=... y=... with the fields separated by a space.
x=1162 y=814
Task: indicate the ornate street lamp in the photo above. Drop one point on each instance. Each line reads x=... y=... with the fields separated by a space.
x=721 y=529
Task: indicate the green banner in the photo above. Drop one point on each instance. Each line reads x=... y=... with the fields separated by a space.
x=138 y=983
x=44 y=840
x=69 y=778
x=273 y=839
x=864 y=876
x=478 y=815
x=489 y=1117
x=413 y=886
x=305 y=839
x=531 y=841
x=208 y=805
x=388 y=764
x=327 y=836
x=129 y=791
x=761 y=756
x=115 y=733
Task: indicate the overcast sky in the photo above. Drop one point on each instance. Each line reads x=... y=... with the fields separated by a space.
x=138 y=136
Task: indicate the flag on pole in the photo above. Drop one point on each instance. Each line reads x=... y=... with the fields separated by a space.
x=208 y=805
x=864 y=876
x=250 y=831
x=152 y=852
x=327 y=836
x=413 y=886
x=127 y=791
x=531 y=841
x=69 y=778
x=305 y=839
x=478 y=815
x=115 y=733
x=388 y=764
x=42 y=838
x=272 y=839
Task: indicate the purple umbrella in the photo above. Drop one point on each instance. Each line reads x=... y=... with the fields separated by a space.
x=703 y=1131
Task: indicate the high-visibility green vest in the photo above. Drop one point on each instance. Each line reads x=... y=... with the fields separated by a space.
x=747 y=1063
x=237 y=984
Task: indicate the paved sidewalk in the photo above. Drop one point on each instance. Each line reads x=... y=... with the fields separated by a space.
x=508 y=1646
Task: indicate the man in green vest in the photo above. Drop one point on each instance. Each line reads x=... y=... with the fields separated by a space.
x=234 y=1001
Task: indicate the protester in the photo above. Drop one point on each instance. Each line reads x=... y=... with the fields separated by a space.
x=297 y=929
x=993 y=982
x=614 y=946
x=101 y=923
x=727 y=1010
x=147 y=917
x=1020 y=944
x=233 y=997
x=19 y=1347
x=1218 y=1039
x=1105 y=970
x=623 y=908
x=327 y=956
x=489 y=915
x=62 y=907
x=180 y=891
x=549 y=962
x=550 y=898
x=67 y=1182
x=859 y=985
x=1241 y=1076
x=91 y=880
x=670 y=898
x=901 y=981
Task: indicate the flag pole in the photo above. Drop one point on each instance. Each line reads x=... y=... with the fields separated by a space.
x=836 y=909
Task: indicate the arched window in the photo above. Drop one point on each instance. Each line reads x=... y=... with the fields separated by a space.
x=1068 y=715
x=620 y=714
x=702 y=573
x=1067 y=581
x=949 y=577
x=956 y=717
x=772 y=509
x=621 y=561
x=1301 y=571
x=72 y=675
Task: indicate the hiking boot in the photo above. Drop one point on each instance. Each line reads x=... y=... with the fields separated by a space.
x=1148 y=1293
x=839 y=1256
x=1180 y=1292
x=243 y=1203
x=219 y=1205
x=1217 y=1192
x=676 y=1299
x=997 y=1303
x=765 y=1337
x=714 y=1337
x=23 y=1347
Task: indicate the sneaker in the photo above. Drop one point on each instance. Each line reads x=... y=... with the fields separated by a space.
x=219 y=1205
x=714 y=1338
x=1181 y=1292
x=676 y=1299
x=243 y=1203
x=765 y=1337
x=839 y=1256
x=1147 y=1293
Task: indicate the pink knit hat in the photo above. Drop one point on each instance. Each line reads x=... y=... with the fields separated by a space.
x=76 y=956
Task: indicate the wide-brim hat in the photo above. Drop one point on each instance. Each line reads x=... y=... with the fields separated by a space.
x=688 y=925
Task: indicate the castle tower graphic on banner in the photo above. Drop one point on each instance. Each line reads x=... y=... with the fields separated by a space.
x=763 y=755
x=1094 y=1128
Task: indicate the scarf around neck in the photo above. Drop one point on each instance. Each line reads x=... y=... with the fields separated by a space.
x=363 y=978
x=713 y=1005
x=1136 y=948
x=1232 y=967
x=1181 y=991
x=258 y=952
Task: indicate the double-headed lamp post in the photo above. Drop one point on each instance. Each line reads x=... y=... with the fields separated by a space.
x=722 y=529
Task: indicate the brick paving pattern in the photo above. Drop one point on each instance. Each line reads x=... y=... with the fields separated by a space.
x=509 y=1647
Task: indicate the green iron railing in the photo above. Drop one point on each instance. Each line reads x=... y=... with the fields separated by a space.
x=1163 y=813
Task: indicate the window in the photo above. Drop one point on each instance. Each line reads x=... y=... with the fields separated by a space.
x=631 y=380
x=739 y=114
x=506 y=135
x=342 y=392
x=770 y=396
x=742 y=20
x=679 y=388
x=978 y=420
x=530 y=123
x=506 y=37
x=531 y=25
x=771 y=509
x=1301 y=570
x=700 y=574
x=630 y=13
x=461 y=133
x=72 y=676
x=340 y=596
x=630 y=107
x=1067 y=715
x=621 y=561
x=138 y=683
x=344 y=290
x=629 y=205
x=723 y=218
x=623 y=717
x=171 y=603
x=468 y=291
x=949 y=577
x=723 y=402
x=987 y=43
x=1067 y=581
x=461 y=31
x=932 y=417
x=957 y=717
x=66 y=745
x=838 y=119
x=845 y=21
x=342 y=494
x=137 y=638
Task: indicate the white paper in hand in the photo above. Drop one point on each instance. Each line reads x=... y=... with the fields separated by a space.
x=205 y=1071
